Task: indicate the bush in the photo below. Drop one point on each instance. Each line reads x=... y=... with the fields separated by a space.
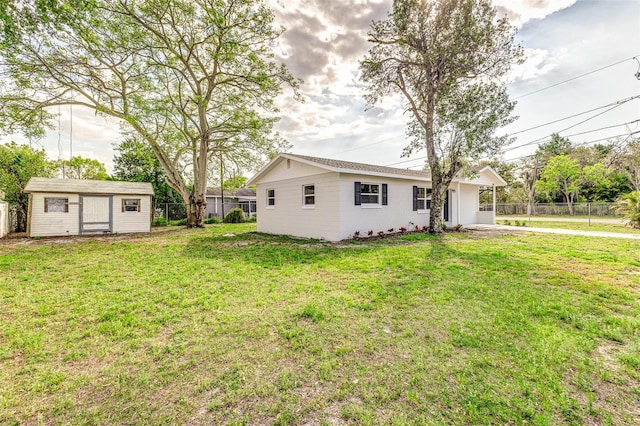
x=159 y=221
x=629 y=206
x=234 y=216
x=211 y=220
x=252 y=219
x=180 y=222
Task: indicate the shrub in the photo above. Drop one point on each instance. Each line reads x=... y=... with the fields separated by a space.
x=180 y=222
x=390 y=230
x=234 y=216
x=425 y=228
x=458 y=228
x=370 y=232
x=380 y=233
x=159 y=221
x=211 y=220
x=252 y=219
x=356 y=235
x=402 y=229
x=629 y=206
x=444 y=226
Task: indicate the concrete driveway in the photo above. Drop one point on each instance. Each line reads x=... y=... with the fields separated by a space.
x=483 y=227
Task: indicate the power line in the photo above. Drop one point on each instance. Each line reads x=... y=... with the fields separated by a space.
x=619 y=102
x=574 y=78
x=537 y=141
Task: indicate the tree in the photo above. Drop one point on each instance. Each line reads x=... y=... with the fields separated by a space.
x=629 y=206
x=136 y=162
x=18 y=164
x=81 y=168
x=630 y=162
x=562 y=175
x=191 y=78
x=445 y=58
x=234 y=183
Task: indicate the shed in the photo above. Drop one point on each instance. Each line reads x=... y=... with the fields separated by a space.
x=79 y=207
x=330 y=199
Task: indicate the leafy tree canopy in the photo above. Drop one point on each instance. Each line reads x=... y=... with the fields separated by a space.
x=191 y=78
x=81 y=168
x=136 y=162
x=18 y=164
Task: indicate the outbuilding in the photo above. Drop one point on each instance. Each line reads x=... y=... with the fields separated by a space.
x=329 y=199
x=80 y=207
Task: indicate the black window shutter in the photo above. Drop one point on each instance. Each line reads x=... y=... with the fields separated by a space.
x=384 y=194
x=415 y=198
x=356 y=189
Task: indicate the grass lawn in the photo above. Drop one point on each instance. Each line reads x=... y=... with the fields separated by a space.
x=195 y=327
x=580 y=226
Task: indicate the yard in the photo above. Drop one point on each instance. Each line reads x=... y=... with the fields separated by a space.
x=200 y=327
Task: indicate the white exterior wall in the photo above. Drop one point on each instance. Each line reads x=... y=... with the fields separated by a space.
x=127 y=222
x=289 y=216
x=397 y=213
x=54 y=223
x=4 y=218
x=59 y=224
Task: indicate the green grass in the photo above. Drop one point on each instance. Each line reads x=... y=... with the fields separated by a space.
x=192 y=327
x=580 y=226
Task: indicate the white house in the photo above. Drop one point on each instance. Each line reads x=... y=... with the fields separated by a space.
x=329 y=199
x=79 y=207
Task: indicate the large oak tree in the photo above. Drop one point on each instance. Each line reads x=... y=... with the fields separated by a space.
x=193 y=79
x=446 y=57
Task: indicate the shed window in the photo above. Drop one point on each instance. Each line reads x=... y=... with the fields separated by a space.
x=271 y=197
x=421 y=198
x=59 y=205
x=131 y=204
x=308 y=195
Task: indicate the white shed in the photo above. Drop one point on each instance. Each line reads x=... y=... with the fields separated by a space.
x=79 y=207
x=330 y=199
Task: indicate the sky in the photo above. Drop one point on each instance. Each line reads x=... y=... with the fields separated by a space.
x=325 y=40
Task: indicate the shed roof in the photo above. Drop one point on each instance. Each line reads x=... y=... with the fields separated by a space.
x=83 y=186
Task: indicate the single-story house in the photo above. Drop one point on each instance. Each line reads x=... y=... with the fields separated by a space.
x=244 y=198
x=329 y=199
x=79 y=207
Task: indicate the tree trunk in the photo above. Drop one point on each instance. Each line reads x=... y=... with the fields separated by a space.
x=435 y=215
x=196 y=211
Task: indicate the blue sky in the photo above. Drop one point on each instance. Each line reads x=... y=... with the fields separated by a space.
x=325 y=39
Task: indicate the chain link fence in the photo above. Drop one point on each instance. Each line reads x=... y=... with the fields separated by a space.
x=555 y=209
x=176 y=213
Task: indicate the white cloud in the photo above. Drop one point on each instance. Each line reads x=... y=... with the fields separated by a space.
x=520 y=12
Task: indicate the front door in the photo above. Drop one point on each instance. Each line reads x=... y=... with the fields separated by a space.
x=446 y=206
x=96 y=214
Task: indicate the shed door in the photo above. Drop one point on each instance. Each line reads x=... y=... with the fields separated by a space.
x=96 y=214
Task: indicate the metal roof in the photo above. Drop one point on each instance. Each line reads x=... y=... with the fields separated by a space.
x=83 y=186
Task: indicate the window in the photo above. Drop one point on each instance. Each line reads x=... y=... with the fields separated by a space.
x=271 y=197
x=421 y=198
x=370 y=194
x=308 y=195
x=58 y=205
x=131 y=204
